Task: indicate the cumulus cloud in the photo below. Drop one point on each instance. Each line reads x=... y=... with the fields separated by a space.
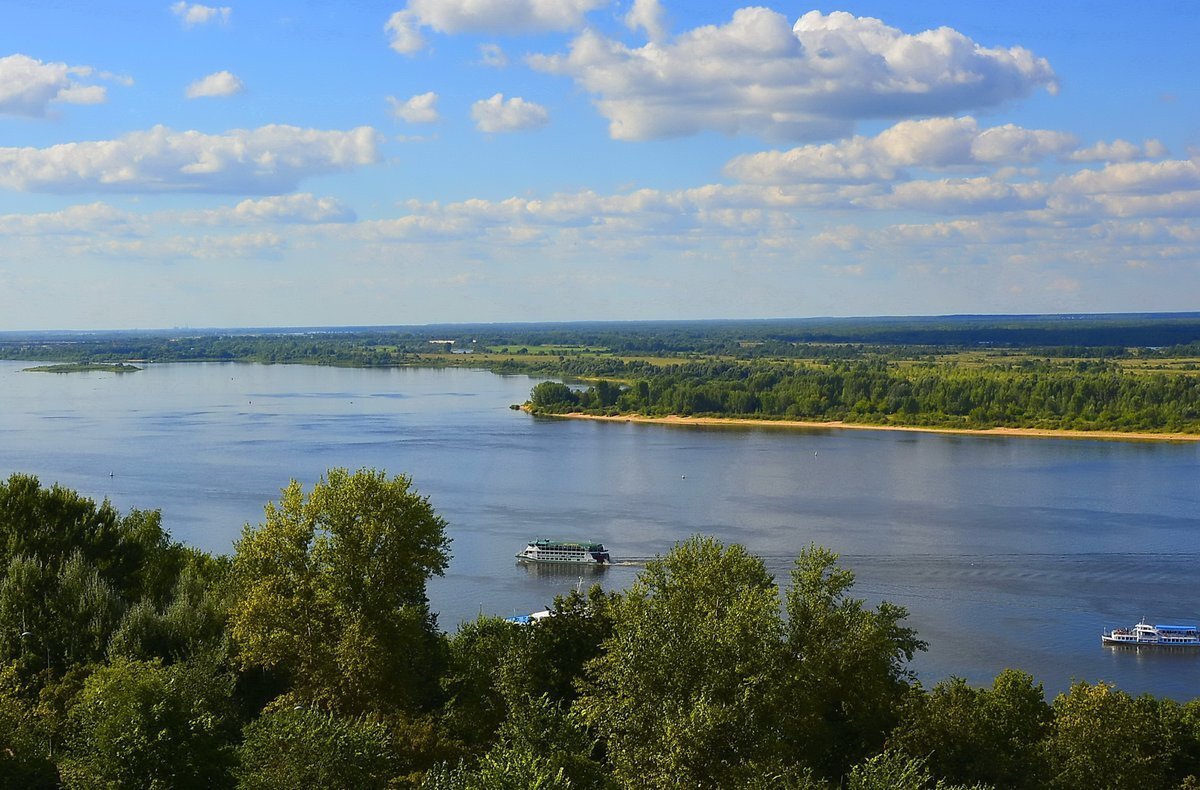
x=74 y=220
x=1134 y=178
x=421 y=108
x=28 y=86
x=960 y=195
x=404 y=33
x=759 y=75
x=930 y=143
x=647 y=15
x=301 y=208
x=196 y=14
x=513 y=115
x=483 y=16
x=267 y=160
x=1119 y=151
x=218 y=84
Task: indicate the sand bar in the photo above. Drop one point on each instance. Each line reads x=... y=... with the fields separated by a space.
x=1040 y=433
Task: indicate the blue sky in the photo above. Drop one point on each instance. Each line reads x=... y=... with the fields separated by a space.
x=271 y=164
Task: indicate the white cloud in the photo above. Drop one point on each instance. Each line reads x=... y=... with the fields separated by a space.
x=492 y=55
x=514 y=115
x=92 y=218
x=1120 y=151
x=1134 y=178
x=404 y=32
x=511 y=17
x=301 y=208
x=221 y=83
x=931 y=143
x=647 y=15
x=28 y=86
x=421 y=108
x=268 y=160
x=197 y=14
x=960 y=195
x=759 y=75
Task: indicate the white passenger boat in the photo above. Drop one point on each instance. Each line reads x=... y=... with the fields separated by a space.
x=565 y=551
x=1145 y=635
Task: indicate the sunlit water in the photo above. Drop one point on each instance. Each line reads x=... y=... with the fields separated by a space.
x=1007 y=552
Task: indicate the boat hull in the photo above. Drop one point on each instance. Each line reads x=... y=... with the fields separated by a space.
x=580 y=563
x=1110 y=642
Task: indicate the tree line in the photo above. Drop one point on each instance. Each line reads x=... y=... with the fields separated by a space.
x=1080 y=396
x=310 y=658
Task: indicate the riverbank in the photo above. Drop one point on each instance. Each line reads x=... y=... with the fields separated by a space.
x=1039 y=433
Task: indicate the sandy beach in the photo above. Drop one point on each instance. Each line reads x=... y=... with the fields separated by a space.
x=1040 y=433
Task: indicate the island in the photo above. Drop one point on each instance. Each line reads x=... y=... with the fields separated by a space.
x=84 y=367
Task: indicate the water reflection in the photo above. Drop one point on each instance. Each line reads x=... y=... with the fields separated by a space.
x=589 y=573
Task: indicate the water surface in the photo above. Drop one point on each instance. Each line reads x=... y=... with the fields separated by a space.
x=1007 y=551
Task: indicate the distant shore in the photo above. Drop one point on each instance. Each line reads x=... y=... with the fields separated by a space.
x=1039 y=433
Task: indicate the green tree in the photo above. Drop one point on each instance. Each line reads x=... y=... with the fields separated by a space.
x=25 y=739
x=139 y=724
x=305 y=748
x=891 y=770
x=192 y=623
x=131 y=553
x=685 y=691
x=850 y=674
x=539 y=746
x=552 y=395
x=1102 y=737
x=330 y=591
x=977 y=734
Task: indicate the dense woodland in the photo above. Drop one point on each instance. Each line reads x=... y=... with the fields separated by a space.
x=1081 y=396
x=310 y=658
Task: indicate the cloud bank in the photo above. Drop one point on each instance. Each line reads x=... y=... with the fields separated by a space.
x=268 y=160
x=812 y=80
x=500 y=17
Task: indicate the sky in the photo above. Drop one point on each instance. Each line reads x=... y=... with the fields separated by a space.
x=440 y=161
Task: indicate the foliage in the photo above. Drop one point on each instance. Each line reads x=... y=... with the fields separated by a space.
x=116 y=645
x=686 y=689
x=330 y=590
x=979 y=735
x=142 y=724
x=306 y=748
x=1102 y=737
x=25 y=739
x=1079 y=396
x=891 y=770
x=850 y=670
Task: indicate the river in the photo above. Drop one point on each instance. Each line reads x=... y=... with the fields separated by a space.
x=1007 y=552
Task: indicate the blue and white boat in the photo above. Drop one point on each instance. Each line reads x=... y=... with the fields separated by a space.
x=1145 y=635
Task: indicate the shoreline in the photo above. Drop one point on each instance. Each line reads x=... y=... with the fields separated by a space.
x=1032 y=433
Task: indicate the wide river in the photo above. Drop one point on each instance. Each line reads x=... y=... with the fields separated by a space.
x=1007 y=552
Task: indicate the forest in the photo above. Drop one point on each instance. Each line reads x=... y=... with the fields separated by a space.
x=310 y=657
x=1081 y=396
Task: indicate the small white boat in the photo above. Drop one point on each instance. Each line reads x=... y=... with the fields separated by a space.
x=565 y=551
x=1145 y=635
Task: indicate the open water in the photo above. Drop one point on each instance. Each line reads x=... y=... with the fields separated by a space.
x=1007 y=552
